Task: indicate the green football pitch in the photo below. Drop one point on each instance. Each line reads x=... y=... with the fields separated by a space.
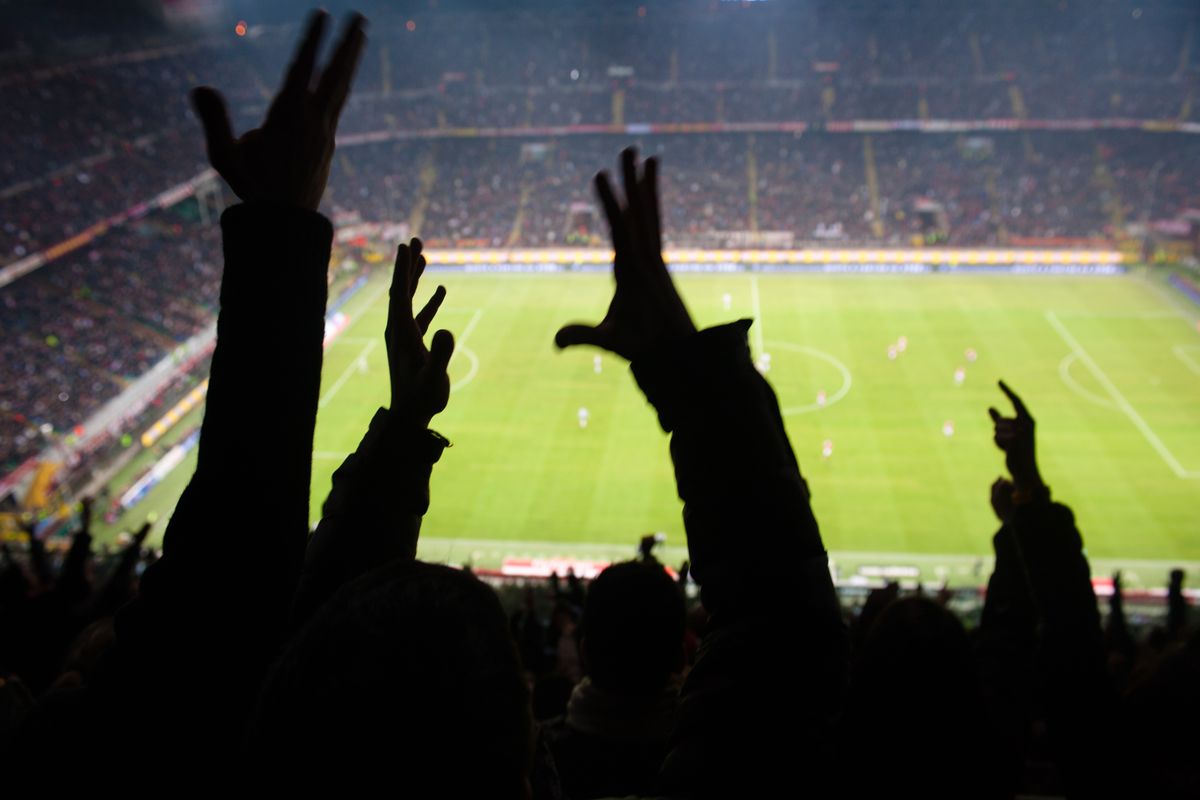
x=1109 y=366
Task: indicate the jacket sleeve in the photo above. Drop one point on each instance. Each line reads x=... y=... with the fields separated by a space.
x=1041 y=644
x=373 y=513
x=213 y=609
x=757 y=553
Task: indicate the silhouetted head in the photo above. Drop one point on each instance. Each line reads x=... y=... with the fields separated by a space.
x=914 y=652
x=410 y=674
x=633 y=628
x=914 y=673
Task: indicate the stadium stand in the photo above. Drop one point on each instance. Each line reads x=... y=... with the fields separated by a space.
x=71 y=161
x=249 y=648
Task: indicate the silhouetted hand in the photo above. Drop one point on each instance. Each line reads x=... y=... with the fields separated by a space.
x=646 y=309
x=86 y=506
x=286 y=161
x=1117 y=596
x=420 y=383
x=1014 y=435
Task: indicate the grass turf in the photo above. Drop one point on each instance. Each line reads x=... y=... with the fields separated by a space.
x=1110 y=367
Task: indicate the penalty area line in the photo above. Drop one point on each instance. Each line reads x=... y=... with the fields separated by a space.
x=1122 y=403
x=346 y=374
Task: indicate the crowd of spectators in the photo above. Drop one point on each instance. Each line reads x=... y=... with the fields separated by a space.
x=91 y=138
x=255 y=649
x=80 y=329
x=985 y=190
x=95 y=137
x=116 y=305
x=86 y=138
x=606 y=658
x=65 y=203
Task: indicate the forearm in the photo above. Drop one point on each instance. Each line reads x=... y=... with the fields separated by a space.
x=737 y=476
x=757 y=554
x=1056 y=569
x=373 y=513
x=1041 y=641
x=234 y=545
x=266 y=370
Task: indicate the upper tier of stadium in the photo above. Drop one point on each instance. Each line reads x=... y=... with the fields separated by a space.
x=826 y=125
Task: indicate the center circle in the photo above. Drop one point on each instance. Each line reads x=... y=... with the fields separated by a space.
x=820 y=355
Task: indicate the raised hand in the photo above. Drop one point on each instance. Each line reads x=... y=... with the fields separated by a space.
x=1014 y=435
x=420 y=383
x=646 y=310
x=286 y=161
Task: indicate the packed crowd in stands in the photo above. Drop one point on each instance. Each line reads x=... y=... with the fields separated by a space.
x=81 y=328
x=989 y=189
x=64 y=204
x=301 y=657
x=86 y=137
x=978 y=190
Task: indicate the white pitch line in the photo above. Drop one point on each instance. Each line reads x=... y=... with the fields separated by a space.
x=466 y=333
x=843 y=390
x=1181 y=352
x=460 y=346
x=471 y=371
x=346 y=373
x=369 y=303
x=1120 y=314
x=1064 y=372
x=1122 y=403
x=756 y=310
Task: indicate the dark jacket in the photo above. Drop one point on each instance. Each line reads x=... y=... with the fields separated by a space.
x=1041 y=651
x=212 y=613
x=757 y=554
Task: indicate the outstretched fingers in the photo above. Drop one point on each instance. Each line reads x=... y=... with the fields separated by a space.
x=218 y=132
x=635 y=215
x=334 y=86
x=425 y=316
x=417 y=263
x=441 y=350
x=300 y=72
x=1022 y=411
x=649 y=191
x=617 y=226
x=399 y=296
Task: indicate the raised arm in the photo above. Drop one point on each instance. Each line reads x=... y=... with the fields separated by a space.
x=1041 y=644
x=213 y=610
x=380 y=492
x=754 y=544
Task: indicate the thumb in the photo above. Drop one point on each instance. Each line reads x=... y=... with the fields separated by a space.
x=218 y=133
x=994 y=414
x=440 y=351
x=571 y=335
